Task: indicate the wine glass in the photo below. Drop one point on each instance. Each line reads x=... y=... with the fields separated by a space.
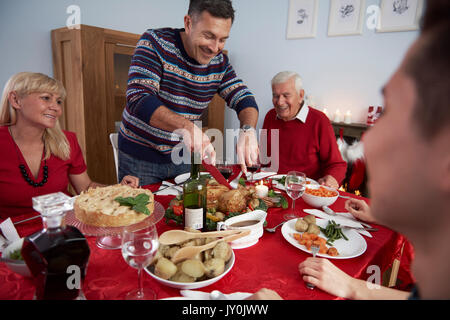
x=139 y=246
x=295 y=185
x=226 y=169
x=253 y=168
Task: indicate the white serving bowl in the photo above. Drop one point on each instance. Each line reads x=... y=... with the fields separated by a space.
x=316 y=201
x=256 y=230
x=192 y=285
x=20 y=267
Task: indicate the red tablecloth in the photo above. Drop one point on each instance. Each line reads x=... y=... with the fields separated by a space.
x=271 y=263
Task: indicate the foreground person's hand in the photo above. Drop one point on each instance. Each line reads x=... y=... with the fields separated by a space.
x=359 y=209
x=326 y=276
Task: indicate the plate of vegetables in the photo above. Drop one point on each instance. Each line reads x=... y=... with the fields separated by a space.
x=334 y=242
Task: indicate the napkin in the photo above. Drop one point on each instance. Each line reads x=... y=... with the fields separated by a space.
x=200 y=295
x=234 y=184
x=342 y=218
x=175 y=190
x=262 y=175
x=9 y=232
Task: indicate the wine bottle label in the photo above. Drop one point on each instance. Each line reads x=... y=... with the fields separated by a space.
x=193 y=218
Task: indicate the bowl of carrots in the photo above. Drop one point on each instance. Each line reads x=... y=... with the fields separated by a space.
x=318 y=196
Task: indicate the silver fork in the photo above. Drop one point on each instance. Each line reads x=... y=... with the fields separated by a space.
x=275 y=228
x=331 y=212
x=314 y=249
x=168 y=187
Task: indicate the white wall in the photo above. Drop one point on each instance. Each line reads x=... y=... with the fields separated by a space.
x=339 y=72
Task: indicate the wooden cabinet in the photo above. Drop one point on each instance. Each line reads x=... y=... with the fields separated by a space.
x=93 y=63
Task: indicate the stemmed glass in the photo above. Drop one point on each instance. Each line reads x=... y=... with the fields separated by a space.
x=139 y=246
x=226 y=169
x=255 y=167
x=295 y=185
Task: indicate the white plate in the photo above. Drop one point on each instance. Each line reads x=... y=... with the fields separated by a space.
x=183 y=177
x=192 y=285
x=354 y=247
x=280 y=186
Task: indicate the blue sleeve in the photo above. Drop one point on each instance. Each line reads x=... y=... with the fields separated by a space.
x=143 y=79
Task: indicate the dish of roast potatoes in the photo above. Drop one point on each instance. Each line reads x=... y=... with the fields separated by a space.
x=202 y=270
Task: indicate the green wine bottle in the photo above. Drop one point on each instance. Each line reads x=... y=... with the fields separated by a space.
x=194 y=197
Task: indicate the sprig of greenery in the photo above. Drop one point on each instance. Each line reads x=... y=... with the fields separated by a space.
x=282 y=180
x=138 y=203
x=283 y=201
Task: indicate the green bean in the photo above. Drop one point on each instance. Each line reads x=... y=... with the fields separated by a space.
x=335 y=233
x=343 y=235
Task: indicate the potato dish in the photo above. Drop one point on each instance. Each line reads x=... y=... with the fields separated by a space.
x=206 y=265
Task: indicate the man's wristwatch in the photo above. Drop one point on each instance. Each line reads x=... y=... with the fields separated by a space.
x=247 y=127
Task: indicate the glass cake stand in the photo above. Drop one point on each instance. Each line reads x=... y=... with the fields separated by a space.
x=111 y=237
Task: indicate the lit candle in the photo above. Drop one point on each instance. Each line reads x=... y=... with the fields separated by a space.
x=338 y=116
x=348 y=117
x=262 y=190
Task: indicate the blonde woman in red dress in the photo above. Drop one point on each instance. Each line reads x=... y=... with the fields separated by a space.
x=37 y=157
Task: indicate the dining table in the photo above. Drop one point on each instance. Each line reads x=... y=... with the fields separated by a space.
x=270 y=263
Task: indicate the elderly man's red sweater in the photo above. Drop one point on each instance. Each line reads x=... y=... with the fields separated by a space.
x=308 y=147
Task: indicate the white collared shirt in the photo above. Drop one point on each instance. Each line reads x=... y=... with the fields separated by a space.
x=302 y=114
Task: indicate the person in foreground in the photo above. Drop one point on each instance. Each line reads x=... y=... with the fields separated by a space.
x=306 y=138
x=174 y=75
x=37 y=156
x=408 y=161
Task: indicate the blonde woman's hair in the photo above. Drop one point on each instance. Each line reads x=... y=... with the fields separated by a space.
x=25 y=83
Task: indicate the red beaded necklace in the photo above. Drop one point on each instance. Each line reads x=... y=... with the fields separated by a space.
x=23 y=169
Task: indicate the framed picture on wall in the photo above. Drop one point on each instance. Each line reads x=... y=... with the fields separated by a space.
x=302 y=19
x=346 y=17
x=399 y=15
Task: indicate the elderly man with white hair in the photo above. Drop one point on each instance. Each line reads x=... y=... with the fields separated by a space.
x=306 y=138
